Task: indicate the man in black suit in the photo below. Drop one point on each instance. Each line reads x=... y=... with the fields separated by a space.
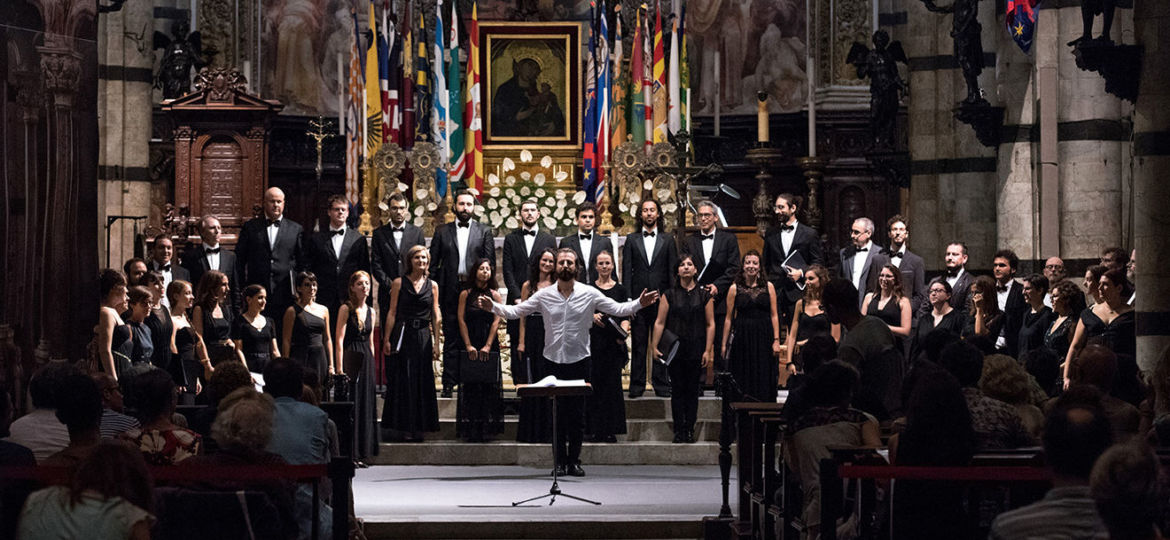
x=716 y=256
x=210 y=255
x=587 y=242
x=912 y=266
x=520 y=246
x=859 y=256
x=454 y=249
x=649 y=261
x=334 y=255
x=269 y=253
x=780 y=243
x=956 y=275
x=162 y=257
x=391 y=241
x=1010 y=295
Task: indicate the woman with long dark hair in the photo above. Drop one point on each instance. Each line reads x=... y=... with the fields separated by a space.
x=192 y=367
x=355 y=357
x=113 y=340
x=752 y=354
x=534 y=414
x=889 y=303
x=158 y=320
x=984 y=316
x=413 y=318
x=686 y=310
x=479 y=410
x=1111 y=323
x=254 y=333
x=307 y=336
x=809 y=318
x=605 y=409
x=212 y=319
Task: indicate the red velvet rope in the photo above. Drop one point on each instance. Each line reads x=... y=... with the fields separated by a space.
x=959 y=474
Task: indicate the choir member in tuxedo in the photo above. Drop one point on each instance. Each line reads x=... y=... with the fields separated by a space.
x=587 y=242
x=162 y=256
x=1055 y=273
x=454 y=249
x=1114 y=258
x=1009 y=295
x=390 y=242
x=858 y=258
x=716 y=255
x=788 y=237
x=519 y=247
x=133 y=270
x=269 y=253
x=910 y=265
x=649 y=257
x=210 y=255
x=335 y=254
x=956 y=276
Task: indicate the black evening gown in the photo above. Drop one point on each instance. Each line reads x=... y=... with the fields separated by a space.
x=535 y=424
x=891 y=314
x=357 y=361
x=1032 y=331
x=605 y=410
x=187 y=367
x=257 y=344
x=307 y=346
x=161 y=327
x=953 y=322
x=122 y=347
x=1119 y=336
x=480 y=407
x=687 y=319
x=752 y=364
x=217 y=336
x=411 y=405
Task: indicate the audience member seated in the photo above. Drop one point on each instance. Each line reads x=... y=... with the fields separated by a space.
x=113 y=405
x=1125 y=485
x=109 y=497
x=830 y=422
x=79 y=407
x=1157 y=402
x=868 y=345
x=938 y=434
x=1075 y=435
x=1096 y=366
x=813 y=354
x=242 y=430
x=299 y=435
x=12 y=492
x=1005 y=379
x=40 y=430
x=227 y=378
x=161 y=442
x=997 y=426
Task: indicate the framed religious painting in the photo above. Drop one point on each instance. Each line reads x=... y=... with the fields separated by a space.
x=531 y=84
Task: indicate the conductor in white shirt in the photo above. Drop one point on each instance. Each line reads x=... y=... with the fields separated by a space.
x=568 y=313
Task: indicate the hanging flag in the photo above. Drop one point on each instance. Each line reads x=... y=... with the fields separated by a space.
x=638 y=113
x=1021 y=21
x=603 y=104
x=353 y=122
x=373 y=91
x=471 y=115
x=455 y=100
x=674 y=119
x=617 y=120
x=647 y=83
x=659 y=91
x=422 y=85
x=684 y=73
x=388 y=77
x=589 y=159
x=406 y=62
x=440 y=105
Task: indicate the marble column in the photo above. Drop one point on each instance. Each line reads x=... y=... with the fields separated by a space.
x=1151 y=191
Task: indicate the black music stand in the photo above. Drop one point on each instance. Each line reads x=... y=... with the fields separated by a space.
x=552 y=393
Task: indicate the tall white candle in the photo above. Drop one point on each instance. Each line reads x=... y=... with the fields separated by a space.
x=248 y=75
x=688 y=111
x=340 y=97
x=194 y=15
x=718 y=86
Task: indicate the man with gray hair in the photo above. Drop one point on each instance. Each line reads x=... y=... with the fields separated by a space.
x=860 y=256
x=269 y=251
x=210 y=255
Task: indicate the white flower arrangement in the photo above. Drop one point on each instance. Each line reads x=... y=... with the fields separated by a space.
x=511 y=187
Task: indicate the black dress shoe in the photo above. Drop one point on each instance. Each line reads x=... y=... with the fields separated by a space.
x=662 y=393
x=635 y=394
x=679 y=438
x=576 y=470
x=560 y=470
x=446 y=393
x=610 y=439
x=690 y=436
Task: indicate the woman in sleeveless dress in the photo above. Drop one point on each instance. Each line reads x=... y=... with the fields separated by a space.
x=1111 y=323
x=984 y=318
x=113 y=335
x=810 y=319
x=213 y=320
x=605 y=411
x=254 y=333
x=479 y=410
x=890 y=304
x=307 y=336
x=752 y=319
x=414 y=318
x=141 y=343
x=191 y=367
x=355 y=358
x=535 y=423
x=158 y=320
x=689 y=311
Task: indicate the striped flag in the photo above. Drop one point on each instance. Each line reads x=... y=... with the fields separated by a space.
x=648 y=82
x=659 y=90
x=471 y=115
x=440 y=104
x=353 y=125
x=618 y=92
x=422 y=85
x=603 y=104
x=589 y=159
x=373 y=92
x=406 y=137
x=684 y=72
x=388 y=70
x=637 y=125
x=674 y=119
x=454 y=120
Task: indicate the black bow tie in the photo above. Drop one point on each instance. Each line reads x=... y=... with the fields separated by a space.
x=646 y=234
x=786 y=228
x=274 y=222
x=892 y=254
x=1001 y=288
x=213 y=250
x=860 y=250
x=397 y=229
x=587 y=236
x=953 y=273
x=338 y=232
x=463 y=224
x=707 y=236
x=164 y=267
x=530 y=233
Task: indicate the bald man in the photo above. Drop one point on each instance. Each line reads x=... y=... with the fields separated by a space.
x=210 y=255
x=269 y=254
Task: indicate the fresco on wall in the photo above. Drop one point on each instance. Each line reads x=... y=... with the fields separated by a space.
x=302 y=40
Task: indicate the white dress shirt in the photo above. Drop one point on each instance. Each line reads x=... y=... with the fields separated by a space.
x=567 y=320
x=859 y=259
x=461 y=236
x=529 y=239
x=953 y=280
x=273 y=230
x=897 y=261
x=396 y=232
x=336 y=240
x=708 y=247
x=1001 y=298
x=212 y=258
x=786 y=238
x=649 y=242
x=168 y=276
x=586 y=245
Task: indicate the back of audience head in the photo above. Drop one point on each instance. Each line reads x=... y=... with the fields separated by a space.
x=113 y=469
x=44 y=387
x=152 y=395
x=79 y=404
x=1044 y=367
x=939 y=430
x=839 y=298
x=1004 y=379
x=832 y=384
x=1095 y=366
x=934 y=343
x=283 y=378
x=816 y=351
x=244 y=421
x=985 y=344
x=227 y=378
x=1125 y=484
x=1076 y=433
x=965 y=362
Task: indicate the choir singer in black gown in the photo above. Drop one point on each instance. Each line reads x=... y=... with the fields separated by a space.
x=606 y=408
x=354 y=356
x=753 y=319
x=689 y=311
x=413 y=318
x=479 y=409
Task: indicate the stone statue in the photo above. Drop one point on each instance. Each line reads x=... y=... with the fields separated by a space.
x=967 y=33
x=181 y=52
x=886 y=87
x=1089 y=11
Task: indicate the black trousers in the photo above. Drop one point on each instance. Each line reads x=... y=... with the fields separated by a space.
x=684 y=391
x=452 y=344
x=641 y=327
x=570 y=412
x=518 y=375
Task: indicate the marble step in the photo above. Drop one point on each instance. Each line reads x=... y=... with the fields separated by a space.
x=703 y=452
x=637 y=430
x=648 y=407
x=612 y=528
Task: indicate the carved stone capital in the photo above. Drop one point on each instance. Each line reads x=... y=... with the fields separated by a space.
x=62 y=68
